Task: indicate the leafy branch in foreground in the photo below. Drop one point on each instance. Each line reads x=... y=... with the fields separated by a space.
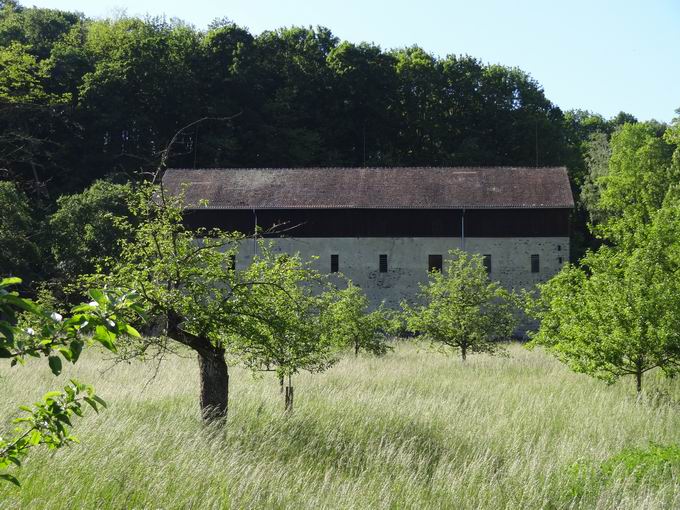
x=46 y=423
x=51 y=335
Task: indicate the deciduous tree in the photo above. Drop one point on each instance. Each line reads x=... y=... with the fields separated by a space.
x=293 y=331
x=354 y=325
x=616 y=314
x=462 y=309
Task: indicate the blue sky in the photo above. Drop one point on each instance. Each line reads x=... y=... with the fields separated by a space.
x=600 y=55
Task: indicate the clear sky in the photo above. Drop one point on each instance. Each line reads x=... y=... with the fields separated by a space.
x=600 y=55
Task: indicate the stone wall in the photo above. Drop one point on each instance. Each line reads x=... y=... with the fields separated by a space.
x=407 y=260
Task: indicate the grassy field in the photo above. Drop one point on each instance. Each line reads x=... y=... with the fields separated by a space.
x=412 y=430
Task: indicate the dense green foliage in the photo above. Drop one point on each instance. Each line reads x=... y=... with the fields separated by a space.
x=85 y=227
x=123 y=87
x=462 y=309
x=618 y=312
x=119 y=89
x=20 y=254
x=655 y=463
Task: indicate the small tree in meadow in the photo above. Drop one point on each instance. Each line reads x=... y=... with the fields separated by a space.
x=462 y=309
x=354 y=326
x=292 y=331
x=617 y=314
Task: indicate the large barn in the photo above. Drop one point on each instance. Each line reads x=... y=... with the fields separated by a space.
x=384 y=228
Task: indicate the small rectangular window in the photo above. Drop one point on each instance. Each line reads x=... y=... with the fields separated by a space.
x=487 y=263
x=535 y=265
x=559 y=247
x=559 y=260
x=434 y=263
x=383 y=263
x=335 y=263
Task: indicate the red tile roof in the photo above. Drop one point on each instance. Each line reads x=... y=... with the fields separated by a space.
x=373 y=188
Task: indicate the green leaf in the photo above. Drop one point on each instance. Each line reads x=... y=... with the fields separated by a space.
x=66 y=352
x=132 y=331
x=7 y=331
x=10 y=478
x=76 y=347
x=92 y=403
x=105 y=337
x=97 y=295
x=12 y=280
x=101 y=401
x=55 y=364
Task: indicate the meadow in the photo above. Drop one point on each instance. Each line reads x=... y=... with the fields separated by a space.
x=414 y=429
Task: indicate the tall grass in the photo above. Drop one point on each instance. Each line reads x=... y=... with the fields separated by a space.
x=412 y=430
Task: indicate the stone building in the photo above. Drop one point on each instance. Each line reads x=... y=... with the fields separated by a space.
x=384 y=228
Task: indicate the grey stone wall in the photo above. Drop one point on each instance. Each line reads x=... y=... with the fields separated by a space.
x=407 y=260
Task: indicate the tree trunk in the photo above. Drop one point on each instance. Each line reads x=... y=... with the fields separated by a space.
x=356 y=349
x=638 y=375
x=288 y=402
x=281 y=382
x=214 y=385
x=463 y=351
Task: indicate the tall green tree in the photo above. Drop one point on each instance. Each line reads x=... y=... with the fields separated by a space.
x=616 y=313
x=641 y=170
x=86 y=227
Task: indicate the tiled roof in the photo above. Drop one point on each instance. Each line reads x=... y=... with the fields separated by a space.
x=373 y=188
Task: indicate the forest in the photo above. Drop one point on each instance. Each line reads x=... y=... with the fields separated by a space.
x=102 y=279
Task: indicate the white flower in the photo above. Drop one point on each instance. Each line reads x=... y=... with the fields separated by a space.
x=93 y=304
x=30 y=331
x=56 y=317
